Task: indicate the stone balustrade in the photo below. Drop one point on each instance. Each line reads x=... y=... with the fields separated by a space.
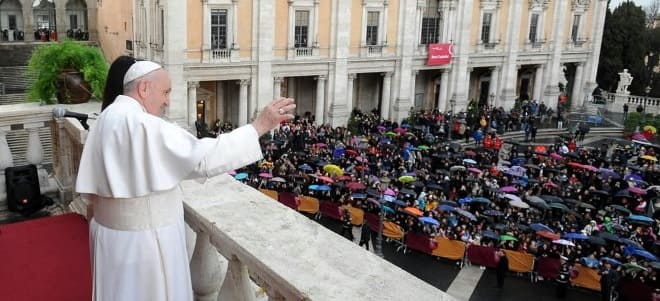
x=615 y=103
x=238 y=237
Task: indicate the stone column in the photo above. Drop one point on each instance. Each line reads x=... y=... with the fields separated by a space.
x=206 y=34
x=442 y=96
x=492 y=86
x=192 y=104
x=598 y=24
x=349 y=92
x=262 y=53
x=28 y=21
x=538 y=83
x=243 y=102
x=315 y=30
x=385 y=102
x=576 y=95
x=338 y=111
x=551 y=92
x=277 y=87
x=462 y=37
x=234 y=22
x=413 y=89
x=510 y=67
x=320 y=100
x=60 y=18
x=385 y=20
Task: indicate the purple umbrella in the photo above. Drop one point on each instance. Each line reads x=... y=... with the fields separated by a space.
x=508 y=189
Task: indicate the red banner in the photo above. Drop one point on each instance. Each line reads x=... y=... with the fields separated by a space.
x=439 y=54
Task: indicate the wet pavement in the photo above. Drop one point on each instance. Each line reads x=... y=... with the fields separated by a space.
x=441 y=273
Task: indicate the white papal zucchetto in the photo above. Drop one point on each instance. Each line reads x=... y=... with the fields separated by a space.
x=140 y=69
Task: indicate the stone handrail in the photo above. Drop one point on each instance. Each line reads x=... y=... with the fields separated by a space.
x=242 y=237
x=615 y=103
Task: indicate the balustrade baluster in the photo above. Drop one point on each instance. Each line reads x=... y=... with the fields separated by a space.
x=237 y=285
x=206 y=270
x=6 y=159
x=35 y=150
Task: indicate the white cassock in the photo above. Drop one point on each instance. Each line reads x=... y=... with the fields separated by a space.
x=130 y=170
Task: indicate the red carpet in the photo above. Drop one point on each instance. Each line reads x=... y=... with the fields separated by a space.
x=45 y=259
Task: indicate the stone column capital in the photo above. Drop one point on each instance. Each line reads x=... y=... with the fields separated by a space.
x=322 y=77
x=193 y=84
x=277 y=80
x=243 y=82
x=351 y=76
x=386 y=74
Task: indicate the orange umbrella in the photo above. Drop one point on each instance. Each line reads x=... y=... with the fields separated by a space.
x=414 y=211
x=548 y=235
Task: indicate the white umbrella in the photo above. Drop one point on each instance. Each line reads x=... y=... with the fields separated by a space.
x=563 y=242
x=512 y=197
x=519 y=204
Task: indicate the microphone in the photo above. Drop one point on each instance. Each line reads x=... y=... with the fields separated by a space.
x=60 y=112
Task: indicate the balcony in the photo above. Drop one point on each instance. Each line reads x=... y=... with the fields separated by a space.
x=487 y=46
x=373 y=50
x=221 y=55
x=303 y=53
x=242 y=238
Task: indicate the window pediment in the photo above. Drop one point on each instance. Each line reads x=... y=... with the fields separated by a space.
x=580 y=5
x=538 y=4
x=214 y=2
x=491 y=4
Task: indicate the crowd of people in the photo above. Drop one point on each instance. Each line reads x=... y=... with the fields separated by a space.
x=588 y=205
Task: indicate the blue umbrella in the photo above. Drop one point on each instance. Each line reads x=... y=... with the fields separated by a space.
x=481 y=200
x=590 y=262
x=641 y=253
x=466 y=213
x=490 y=234
x=241 y=176
x=630 y=243
x=518 y=161
x=400 y=203
x=640 y=218
x=446 y=208
x=541 y=227
x=388 y=198
x=358 y=195
x=575 y=236
x=632 y=177
x=338 y=152
x=611 y=260
x=492 y=212
x=324 y=188
x=429 y=220
x=305 y=167
x=388 y=209
x=465 y=200
x=313 y=187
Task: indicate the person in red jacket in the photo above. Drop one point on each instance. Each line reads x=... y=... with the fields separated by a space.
x=497 y=144
x=488 y=141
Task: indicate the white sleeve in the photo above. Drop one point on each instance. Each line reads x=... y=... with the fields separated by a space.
x=232 y=150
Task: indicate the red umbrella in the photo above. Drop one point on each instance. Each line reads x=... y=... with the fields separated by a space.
x=548 y=235
x=550 y=184
x=590 y=167
x=351 y=152
x=326 y=179
x=556 y=156
x=355 y=186
x=399 y=131
x=470 y=153
x=575 y=164
x=637 y=190
x=345 y=178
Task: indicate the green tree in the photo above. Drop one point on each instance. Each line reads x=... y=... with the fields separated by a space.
x=625 y=45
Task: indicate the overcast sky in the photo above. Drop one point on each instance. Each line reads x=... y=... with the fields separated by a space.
x=642 y=3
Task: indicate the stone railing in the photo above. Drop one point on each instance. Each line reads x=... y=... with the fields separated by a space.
x=615 y=103
x=238 y=237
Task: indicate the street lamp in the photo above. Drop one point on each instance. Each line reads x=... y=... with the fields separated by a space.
x=378 y=248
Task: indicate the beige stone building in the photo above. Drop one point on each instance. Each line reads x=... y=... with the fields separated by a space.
x=228 y=58
x=21 y=20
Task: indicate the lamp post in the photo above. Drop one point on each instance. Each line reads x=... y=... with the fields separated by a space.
x=378 y=248
x=452 y=103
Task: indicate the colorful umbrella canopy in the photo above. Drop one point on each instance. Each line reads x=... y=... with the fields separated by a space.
x=493 y=212
x=650 y=158
x=575 y=236
x=333 y=170
x=278 y=180
x=481 y=200
x=429 y=220
x=241 y=176
x=355 y=186
x=637 y=190
x=469 y=161
x=490 y=234
x=547 y=234
x=446 y=208
x=406 y=179
x=507 y=238
x=641 y=253
x=474 y=170
x=650 y=128
x=413 y=211
x=266 y=175
x=305 y=167
x=640 y=218
x=519 y=204
x=508 y=189
x=326 y=179
x=541 y=227
x=466 y=213
x=610 y=260
x=512 y=197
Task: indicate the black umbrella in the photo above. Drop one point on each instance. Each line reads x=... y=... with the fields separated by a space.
x=433 y=186
x=407 y=191
x=373 y=192
x=597 y=241
x=601 y=192
x=551 y=198
x=572 y=155
x=418 y=184
x=609 y=236
x=522 y=227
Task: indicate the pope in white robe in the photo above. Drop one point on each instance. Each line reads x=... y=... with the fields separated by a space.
x=130 y=170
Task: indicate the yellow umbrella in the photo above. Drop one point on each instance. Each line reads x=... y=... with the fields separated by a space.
x=406 y=179
x=334 y=170
x=651 y=158
x=650 y=128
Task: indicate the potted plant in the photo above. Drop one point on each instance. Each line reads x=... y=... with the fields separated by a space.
x=66 y=72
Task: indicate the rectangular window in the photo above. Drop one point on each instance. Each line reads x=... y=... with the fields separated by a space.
x=12 y=22
x=218 y=29
x=485 y=27
x=73 y=21
x=43 y=22
x=576 y=26
x=373 y=18
x=533 y=27
x=430 y=30
x=301 y=29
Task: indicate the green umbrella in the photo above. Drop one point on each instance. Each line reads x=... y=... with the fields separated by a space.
x=390 y=134
x=633 y=267
x=423 y=147
x=406 y=179
x=507 y=238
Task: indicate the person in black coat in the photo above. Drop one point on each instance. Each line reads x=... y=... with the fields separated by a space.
x=366 y=236
x=608 y=279
x=347 y=226
x=502 y=267
x=562 y=279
